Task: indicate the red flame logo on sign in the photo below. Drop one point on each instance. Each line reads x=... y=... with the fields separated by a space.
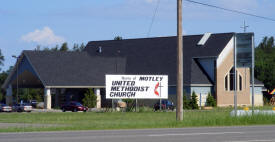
x=156 y=89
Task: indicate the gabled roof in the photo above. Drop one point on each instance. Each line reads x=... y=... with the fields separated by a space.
x=130 y=56
x=72 y=69
x=159 y=55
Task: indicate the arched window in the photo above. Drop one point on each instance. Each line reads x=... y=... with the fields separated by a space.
x=226 y=82
x=240 y=83
x=231 y=79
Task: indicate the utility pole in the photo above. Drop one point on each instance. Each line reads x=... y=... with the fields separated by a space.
x=179 y=113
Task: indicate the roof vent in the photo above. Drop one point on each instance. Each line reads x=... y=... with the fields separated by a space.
x=99 y=50
x=204 y=39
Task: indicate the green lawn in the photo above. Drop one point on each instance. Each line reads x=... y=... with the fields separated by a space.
x=126 y=120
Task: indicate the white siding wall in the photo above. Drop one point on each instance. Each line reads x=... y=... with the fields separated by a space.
x=258 y=98
x=203 y=91
x=229 y=47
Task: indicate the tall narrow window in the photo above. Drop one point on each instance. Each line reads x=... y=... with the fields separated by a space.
x=240 y=83
x=231 y=79
x=226 y=83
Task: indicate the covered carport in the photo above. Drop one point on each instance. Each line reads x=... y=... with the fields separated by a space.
x=54 y=71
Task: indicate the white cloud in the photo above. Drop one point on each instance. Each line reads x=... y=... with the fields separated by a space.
x=45 y=36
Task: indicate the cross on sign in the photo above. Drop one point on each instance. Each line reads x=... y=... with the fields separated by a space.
x=158 y=85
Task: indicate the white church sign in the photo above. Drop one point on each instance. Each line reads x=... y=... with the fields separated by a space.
x=136 y=86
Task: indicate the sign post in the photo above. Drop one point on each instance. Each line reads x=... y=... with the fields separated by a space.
x=244 y=58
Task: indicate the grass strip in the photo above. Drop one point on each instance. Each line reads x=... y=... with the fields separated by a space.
x=127 y=120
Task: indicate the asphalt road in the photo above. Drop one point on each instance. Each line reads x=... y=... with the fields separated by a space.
x=205 y=134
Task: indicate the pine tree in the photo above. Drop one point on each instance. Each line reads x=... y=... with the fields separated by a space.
x=1 y=59
x=90 y=99
x=210 y=101
x=186 y=101
x=118 y=38
x=194 y=101
x=64 y=47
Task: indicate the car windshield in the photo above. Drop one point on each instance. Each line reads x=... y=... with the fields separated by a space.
x=78 y=104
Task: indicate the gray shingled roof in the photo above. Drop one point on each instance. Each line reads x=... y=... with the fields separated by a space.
x=158 y=55
x=73 y=68
x=130 y=56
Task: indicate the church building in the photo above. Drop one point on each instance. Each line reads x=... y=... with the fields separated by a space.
x=208 y=67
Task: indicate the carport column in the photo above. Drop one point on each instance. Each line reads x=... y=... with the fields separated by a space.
x=98 y=98
x=47 y=98
x=9 y=95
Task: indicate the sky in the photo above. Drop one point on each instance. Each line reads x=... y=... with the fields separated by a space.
x=24 y=24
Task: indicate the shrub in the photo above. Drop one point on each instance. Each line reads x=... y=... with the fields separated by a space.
x=194 y=101
x=90 y=99
x=186 y=101
x=1 y=96
x=130 y=104
x=210 y=101
x=266 y=101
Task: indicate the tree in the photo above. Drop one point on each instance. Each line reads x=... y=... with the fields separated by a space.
x=25 y=95
x=1 y=96
x=90 y=99
x=118 y=38
x=64 y=47
x=37 y=48
x=55 y=48
x=194 y=101
x=78 y=48
x=265 y=62
x=210 y=101
x=3 y=77
x=82 y=47
x=186 y=101
x=1 y=59
x=130 y=104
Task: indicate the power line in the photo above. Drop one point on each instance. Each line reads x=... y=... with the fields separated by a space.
x=231 y=10
x=153 y=18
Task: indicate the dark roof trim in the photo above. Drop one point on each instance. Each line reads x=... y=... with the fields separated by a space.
x=34 y=69
x=158 y=37
x=22 y=55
